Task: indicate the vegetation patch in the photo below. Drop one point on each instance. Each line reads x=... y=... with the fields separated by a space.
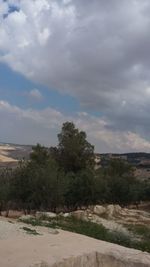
x=11 y=222
x=30 y=231
x=140 y=230
x=90 y=229
x=64 y=178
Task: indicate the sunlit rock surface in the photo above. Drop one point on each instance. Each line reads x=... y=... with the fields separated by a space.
x=61 y=249
x=98 y=259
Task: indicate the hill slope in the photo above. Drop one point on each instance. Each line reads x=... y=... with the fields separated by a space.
x=10 y=154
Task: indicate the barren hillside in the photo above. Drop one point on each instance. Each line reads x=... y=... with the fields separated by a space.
x=11 y=153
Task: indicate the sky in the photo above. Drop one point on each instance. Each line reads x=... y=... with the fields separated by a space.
x=74 y=60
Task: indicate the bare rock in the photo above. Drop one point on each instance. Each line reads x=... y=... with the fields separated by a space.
x=12 y=214
x=65 y=249
x=53 y=231
x=118 y=258
x=66 y=215
x=80 y=214
x=99 y=210
x=26 y=217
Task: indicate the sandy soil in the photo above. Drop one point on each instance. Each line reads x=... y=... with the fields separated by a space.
x=6 y=159
x=19 y=249
x=6 y=147
x=4 y=153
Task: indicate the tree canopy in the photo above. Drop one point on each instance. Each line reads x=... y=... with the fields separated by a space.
x=64 y=178
x=74 y=152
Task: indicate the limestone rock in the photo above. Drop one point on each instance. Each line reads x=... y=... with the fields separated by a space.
x=12 y=214
x=53 y=231
x=99 y=210
x=109 y=259
x=66 y=215
x=65 y=249
x=26 y=217
x=80 y=214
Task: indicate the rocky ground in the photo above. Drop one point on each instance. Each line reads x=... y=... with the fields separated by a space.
x=114 y=217
x=23 y=245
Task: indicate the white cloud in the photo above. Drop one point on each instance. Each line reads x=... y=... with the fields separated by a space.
x=30 y=126
x=35 y=94
x=97 y=52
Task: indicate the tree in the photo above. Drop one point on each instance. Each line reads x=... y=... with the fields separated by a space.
x=5 y=180
x=47 y=186
x=117 y=184
x=120 y=181
x=36 y=187
x=21 y=185
x=80 y=189
x=74 y=152
x=39 y=154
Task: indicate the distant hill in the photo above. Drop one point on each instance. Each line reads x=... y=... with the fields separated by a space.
x=134 y=158
x=10 y=154
x=139 y=160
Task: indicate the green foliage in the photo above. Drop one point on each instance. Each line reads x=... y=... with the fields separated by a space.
x=117 y=184
x=140 y=230
x=90 y=229
x=38 y=187
x=119 y=168
x=80 y=189
x=144 y=190
x=63 y=178
x=39 y=154
x=74 y=152
x=5 y=188
x=30 y=231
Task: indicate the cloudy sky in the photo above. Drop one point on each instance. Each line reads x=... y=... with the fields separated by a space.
x=76 y=60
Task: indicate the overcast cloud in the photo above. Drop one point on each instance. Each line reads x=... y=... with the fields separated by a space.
x=97 y=51
x=29 y=126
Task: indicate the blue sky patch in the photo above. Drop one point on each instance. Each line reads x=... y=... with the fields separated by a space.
x=15 y=89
